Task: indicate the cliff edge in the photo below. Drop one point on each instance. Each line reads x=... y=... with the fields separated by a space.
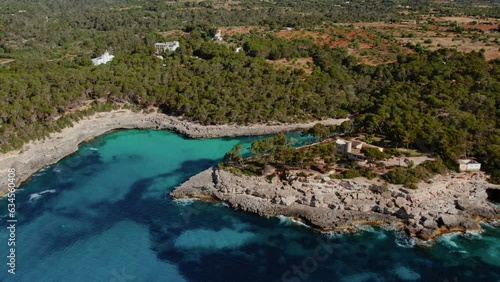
x=448 y=203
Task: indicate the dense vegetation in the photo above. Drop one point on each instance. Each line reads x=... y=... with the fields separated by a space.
x=279 y=153
x=444 y=101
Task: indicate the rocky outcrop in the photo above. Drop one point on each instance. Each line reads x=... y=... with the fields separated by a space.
x=447 y=205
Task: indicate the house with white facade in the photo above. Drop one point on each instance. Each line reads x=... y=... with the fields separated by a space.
x=468 y=165
x=106 y=57
x=167 y=46
x=352 y=149
x=218 y=36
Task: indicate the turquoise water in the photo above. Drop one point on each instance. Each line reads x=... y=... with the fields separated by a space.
x=103 y=214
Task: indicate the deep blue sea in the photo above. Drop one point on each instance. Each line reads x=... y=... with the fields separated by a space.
x=104 y=214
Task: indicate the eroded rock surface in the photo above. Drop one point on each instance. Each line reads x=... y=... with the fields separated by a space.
x=448 y=204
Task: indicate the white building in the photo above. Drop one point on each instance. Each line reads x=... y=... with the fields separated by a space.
x=468 y=165
x=106 y=57
x=352 y=149
x=218 y=35
x=167 y=46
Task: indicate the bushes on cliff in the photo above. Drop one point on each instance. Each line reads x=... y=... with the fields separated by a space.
x=411 y=176
x=355 y=172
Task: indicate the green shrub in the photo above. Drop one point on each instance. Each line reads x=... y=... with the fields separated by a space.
x=400 y=176
x=412 y=186
x=301 y=174
x=436 y=166
x=367 y=172
x=347 y=174
x=270 y=177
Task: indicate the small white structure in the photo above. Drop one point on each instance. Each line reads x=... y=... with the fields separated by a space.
x=342 y=147
x=352 y=149
x=106 y=57
x=238 y=49
x=218 y=36
x=468 y=165
x=167 y=46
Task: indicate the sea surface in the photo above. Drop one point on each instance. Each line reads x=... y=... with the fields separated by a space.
x=104 y=214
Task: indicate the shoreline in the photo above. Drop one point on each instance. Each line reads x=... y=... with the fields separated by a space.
x=38 y=154
x=451 y=203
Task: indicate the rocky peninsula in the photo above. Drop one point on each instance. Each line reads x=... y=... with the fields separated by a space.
x=37 y=154
x=447 y=203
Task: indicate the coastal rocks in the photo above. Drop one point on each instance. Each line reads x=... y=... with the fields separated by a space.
x=428 y=234
x=401 y=202
x=403 y=213
x=387 y=195
x=317 y=201
x=430 y=223
x=347 y=200
x=445 y=206
x=287 y=201
x=459 y=205
x=296 y=185
x=264 y=192
x=449 y=221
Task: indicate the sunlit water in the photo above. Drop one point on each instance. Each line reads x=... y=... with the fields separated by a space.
x=103 y=214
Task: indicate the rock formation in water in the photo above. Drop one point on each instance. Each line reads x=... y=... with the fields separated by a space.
x=450 y=203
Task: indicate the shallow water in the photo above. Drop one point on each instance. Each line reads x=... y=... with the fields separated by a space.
x=103 y=214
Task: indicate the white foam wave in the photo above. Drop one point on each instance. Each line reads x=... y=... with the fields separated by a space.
x=40 y=172
x=334 y=234
x=48 y=191
x=36 y=196
x=448 y=240
x=379 y=233
x=404 y=241
x=286 y=220
x=93 y=149
x=184 y=201
x=474 y=235
x=490 y=224
x=222 y=204
x=366 y=228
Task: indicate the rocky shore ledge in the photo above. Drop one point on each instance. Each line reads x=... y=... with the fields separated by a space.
x=448 y=203
x=38 y=154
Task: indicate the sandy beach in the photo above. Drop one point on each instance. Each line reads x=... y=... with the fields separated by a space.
x=38 y=154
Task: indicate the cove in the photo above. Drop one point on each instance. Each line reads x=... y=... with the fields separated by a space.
x=103 y=214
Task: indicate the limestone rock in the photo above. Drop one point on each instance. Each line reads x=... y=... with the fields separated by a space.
x=402 y=213
x=287 y=201
x=387 y=195
x=336 y=203
x=361 y=196
x=296 y=185
x=430 y=223
x=347 y=200
x=459 y=205
x=401 y=202
x=426 y=234
x=449 y=221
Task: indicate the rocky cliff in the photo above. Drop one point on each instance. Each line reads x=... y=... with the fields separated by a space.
x=450 y=203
